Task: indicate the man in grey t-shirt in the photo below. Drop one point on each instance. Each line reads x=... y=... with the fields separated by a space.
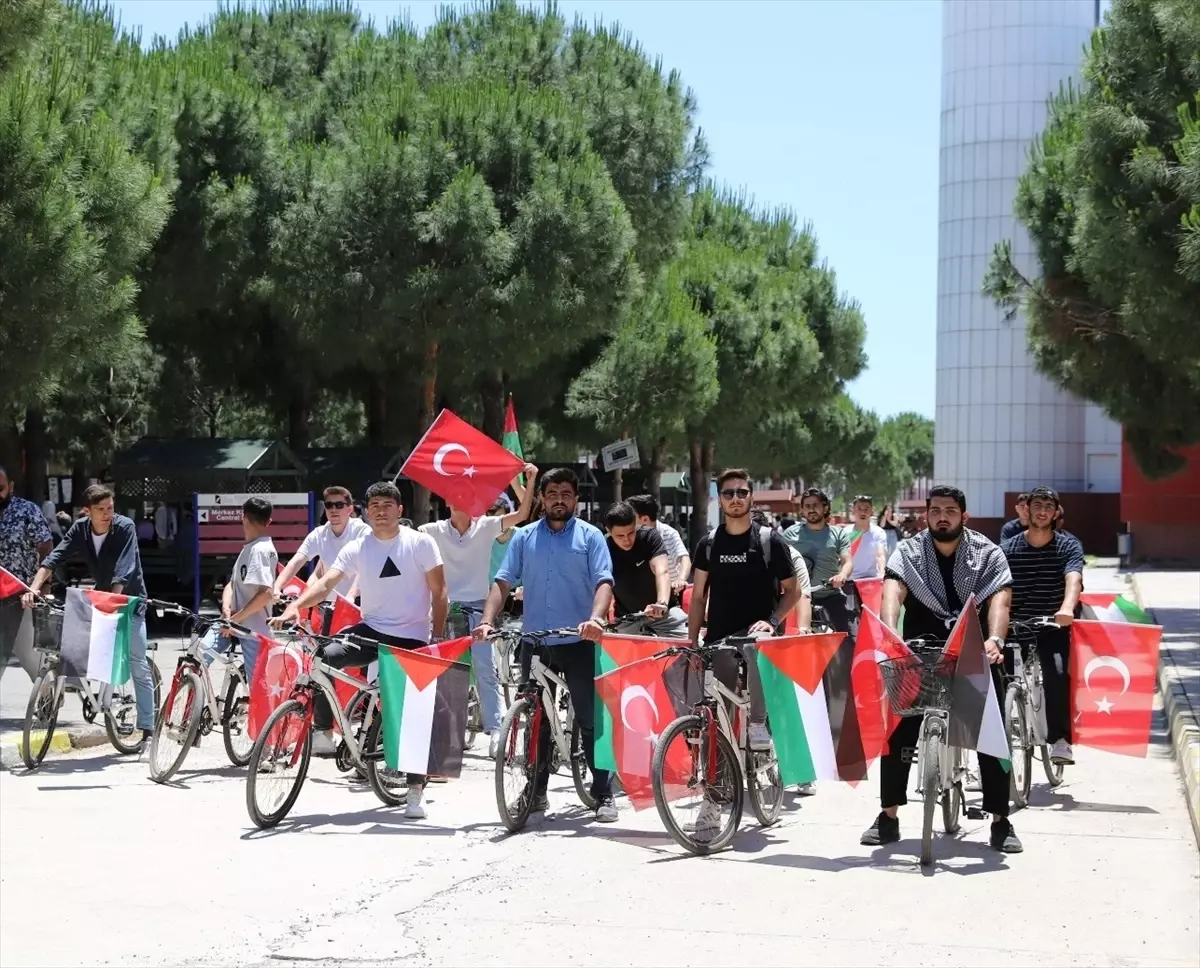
x=247 y=598
x=826 y=552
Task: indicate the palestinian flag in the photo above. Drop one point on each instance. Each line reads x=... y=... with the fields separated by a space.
x=1110 y=607
x=452 y=650
x=424 y=708
x=790 y=670
x=97 y=630
x=643 y=698
x=511 y=441
x=976 y=722
x=11 y=585
x=612 y=652
x=847 y=730
x=856 y=537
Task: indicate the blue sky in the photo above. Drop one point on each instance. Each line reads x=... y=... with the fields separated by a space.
x=827 y=107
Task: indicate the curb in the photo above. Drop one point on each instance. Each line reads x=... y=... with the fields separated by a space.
x=1182 y=724
x=63 y=741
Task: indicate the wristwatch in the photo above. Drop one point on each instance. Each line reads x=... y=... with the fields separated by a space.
x=995 y=638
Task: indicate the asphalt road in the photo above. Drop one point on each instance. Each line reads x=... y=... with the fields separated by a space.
x=100 y=866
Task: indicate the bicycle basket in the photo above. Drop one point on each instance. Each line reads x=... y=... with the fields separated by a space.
x=47 y=629
x=918 y=681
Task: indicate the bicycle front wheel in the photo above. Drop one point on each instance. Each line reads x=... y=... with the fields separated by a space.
x=579 y=767
x=1020 y=744
x=279 y=763
x=176 y=726
x=764 y=785
x=952 y=798
x=236 y=728
x=516 y=772
x=686 y=767
x=120 y=720
x=931 y=778
x=389 y=785
x=41 y=716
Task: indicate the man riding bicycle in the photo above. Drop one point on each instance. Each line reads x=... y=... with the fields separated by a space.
x=402 y=594
x=1047 y=573
x=826 y=551
x=641 y=572
x=931 y=575
x=564 y=566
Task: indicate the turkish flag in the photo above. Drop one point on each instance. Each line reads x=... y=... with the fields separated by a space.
x=11 y=585
x=276 y=670
x=874 y=644
x=461 y=465
x=870 y=593
x=1113 y=670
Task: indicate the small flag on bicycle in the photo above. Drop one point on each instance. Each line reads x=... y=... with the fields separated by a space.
x=1110 y=607
x=1114 y=668
x=97 y=630
x=612 y=652
x=11 y=585
x=276 y=669
x=452 y=650
x=791 y=670
x=877 y=643
x=424 y=708
x=976 y=722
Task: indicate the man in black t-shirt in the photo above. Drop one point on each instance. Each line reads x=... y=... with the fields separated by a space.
x=932 y=575
x=740 y=591
x=1020 y=522
x=1047 y=570
x=641 y=572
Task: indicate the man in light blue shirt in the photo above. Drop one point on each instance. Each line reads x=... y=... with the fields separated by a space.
x=566 y=571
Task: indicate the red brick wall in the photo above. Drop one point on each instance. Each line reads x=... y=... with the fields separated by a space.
x=1163 y=516
x=1093 y=518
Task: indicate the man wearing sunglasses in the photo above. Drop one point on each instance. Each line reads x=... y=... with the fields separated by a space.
x=326 y=541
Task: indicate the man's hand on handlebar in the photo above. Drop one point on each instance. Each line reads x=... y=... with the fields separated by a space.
x=655 y=610
x=837 y=581
x=761 y=628
x=482 y=631
x=289 y=616
x=29 y=599
x=592 y=630
x=1064 y=618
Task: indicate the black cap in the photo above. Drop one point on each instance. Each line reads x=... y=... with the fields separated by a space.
x=1045 y=493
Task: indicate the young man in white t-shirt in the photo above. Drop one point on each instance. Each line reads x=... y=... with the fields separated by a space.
x=466 y=544
x=326 y=541
x=247 y=598
x=402 y=590
x=868 y=541
x=679 y=562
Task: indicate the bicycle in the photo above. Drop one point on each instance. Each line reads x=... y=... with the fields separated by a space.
x=285 y=740
x=717 y=753
x=919 y=684
x=1024 y=709
x=520 y=734
x=460 y=624
x=820 y=617
x=117 y=703
x=507 y=657
x=194 y=708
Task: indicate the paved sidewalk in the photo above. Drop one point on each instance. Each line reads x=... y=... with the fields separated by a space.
x=1173 y=599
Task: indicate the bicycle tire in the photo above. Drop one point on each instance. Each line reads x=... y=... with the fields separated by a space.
x=579 y=767
x=130 y=744
x=239 y=716
x=726 y=758
x=767 y=814
x=1054 y=771
x=194 y=704
x=48 y=679
x=952 y=800
x=474 y=718
x=261 y=819
x=374 y=742
x=1020 y=745
x=356 y=718
x=931 y=782
x=518 y=719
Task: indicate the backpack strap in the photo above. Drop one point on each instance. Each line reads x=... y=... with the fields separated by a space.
x=764 y=541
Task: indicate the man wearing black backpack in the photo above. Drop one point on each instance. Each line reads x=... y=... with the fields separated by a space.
x=744 y=585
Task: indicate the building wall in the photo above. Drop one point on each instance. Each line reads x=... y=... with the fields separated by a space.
x=1001 y=426
x=1163 y=516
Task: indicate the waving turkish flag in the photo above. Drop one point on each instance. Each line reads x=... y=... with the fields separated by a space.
x=461 y=465
x=1113 y=669
x=276 y=669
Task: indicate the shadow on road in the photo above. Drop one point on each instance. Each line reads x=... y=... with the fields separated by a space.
x=1053 y=799
x=387 y=820
x=981 y=859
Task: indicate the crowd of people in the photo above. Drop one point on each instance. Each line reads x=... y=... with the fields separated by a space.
x=747 y=576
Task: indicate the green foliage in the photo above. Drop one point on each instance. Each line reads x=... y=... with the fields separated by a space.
x=1111 y=200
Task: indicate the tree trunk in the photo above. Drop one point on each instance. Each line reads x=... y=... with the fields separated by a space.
x=658 y=455
x=618 y=485
x=376 y=407
x=491 y=396
x=10 y=453
x=35 y=456
x=425 y=414
x=79 y=481
x=298 y=414
x=698 y=519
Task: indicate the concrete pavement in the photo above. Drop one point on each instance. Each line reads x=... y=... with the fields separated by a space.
x=1173 y=599
x=177 y=875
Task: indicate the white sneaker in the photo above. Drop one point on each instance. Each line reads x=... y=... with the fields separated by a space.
x=322 y=743
x=1061 y=752
x=707 y=824
x=413 y=810
x=493 y=743
x=806 y=789
x=760 y=737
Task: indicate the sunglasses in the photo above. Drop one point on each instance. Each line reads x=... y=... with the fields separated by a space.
x=735 y=492
x=335 y=505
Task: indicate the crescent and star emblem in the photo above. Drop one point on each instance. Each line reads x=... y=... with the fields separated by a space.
x=859 y=659
x=631 y=694
x=445 y=451
x=275 y=688
x=1106 y=661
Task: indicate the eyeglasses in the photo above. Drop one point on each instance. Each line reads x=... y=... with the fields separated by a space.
x=335 y=505
x=735 y=492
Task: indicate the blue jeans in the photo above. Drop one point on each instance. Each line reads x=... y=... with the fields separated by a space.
x=139 y=669
x=221 y=643
x=485 y=673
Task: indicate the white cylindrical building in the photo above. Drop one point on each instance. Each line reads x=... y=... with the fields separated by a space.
x=1000 y=425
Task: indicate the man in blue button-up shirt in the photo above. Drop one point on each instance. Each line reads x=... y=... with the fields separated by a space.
x=565 y=568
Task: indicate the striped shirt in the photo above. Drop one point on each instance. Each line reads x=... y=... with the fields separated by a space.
x=1040 y=574
x=676 y=549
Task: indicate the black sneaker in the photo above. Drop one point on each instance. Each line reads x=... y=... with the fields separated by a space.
x=541 y=803
x=885 y=830
x=1004 y=838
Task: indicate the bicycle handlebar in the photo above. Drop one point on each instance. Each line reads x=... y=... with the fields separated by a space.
x=1031 y=626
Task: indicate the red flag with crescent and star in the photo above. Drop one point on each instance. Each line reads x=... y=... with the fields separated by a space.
x=275 y=670
x=461 y=465
x=1114 y=666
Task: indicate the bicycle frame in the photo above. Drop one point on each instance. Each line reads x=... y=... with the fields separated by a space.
x=716 y=696
x=198 y=651
x=952 y=761
x=319 y=676
x=541 y=674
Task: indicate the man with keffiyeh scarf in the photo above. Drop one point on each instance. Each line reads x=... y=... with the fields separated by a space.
x=932 y=575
